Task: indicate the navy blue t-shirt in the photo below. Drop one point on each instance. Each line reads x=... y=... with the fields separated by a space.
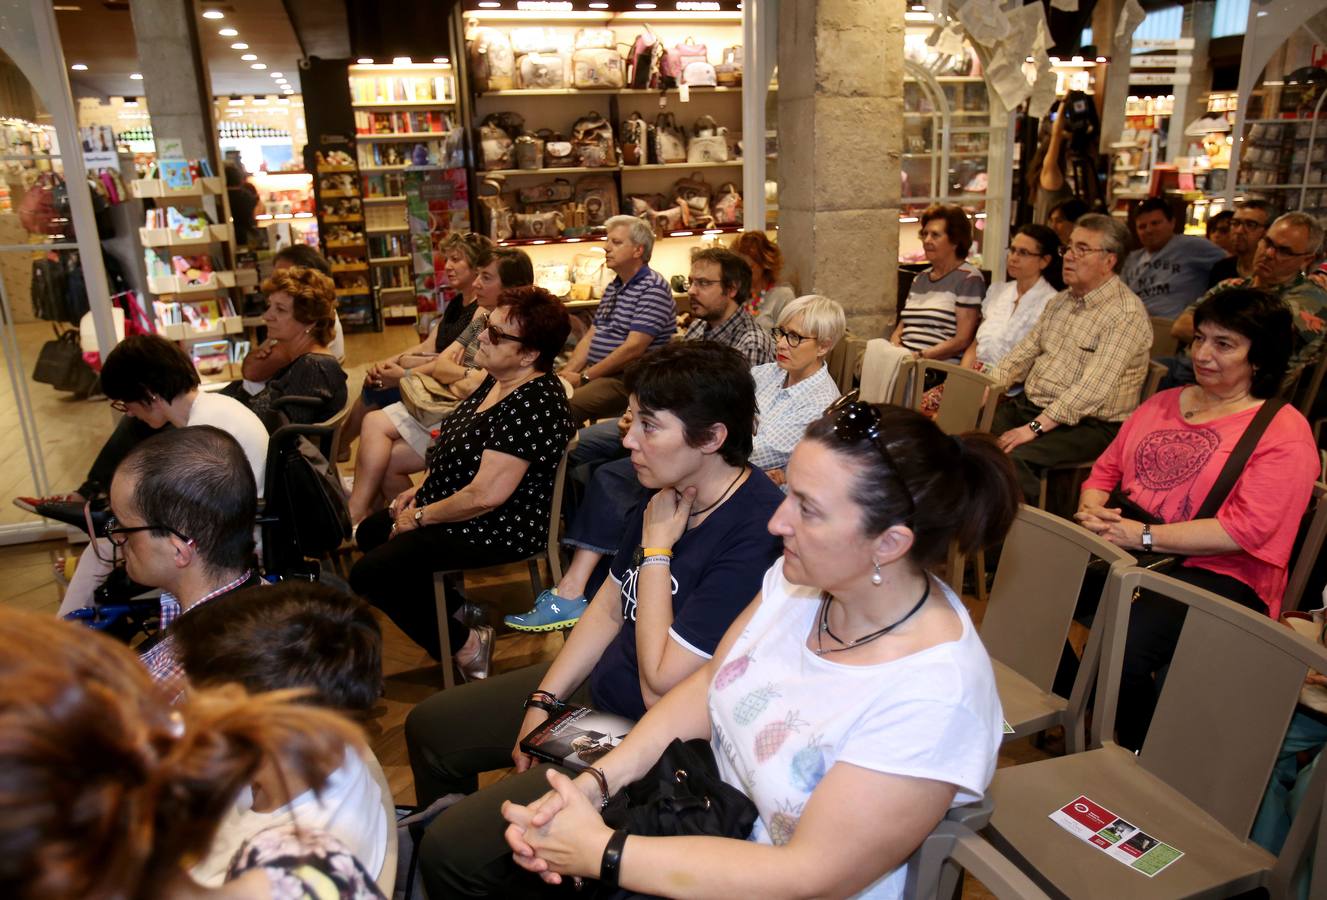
x=717 y=571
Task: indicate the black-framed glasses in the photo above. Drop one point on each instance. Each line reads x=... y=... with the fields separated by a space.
x=496 y=334
x=854 y=421
x=118 y=534
x=793 y=338
x=1249 y=224
x=1282 y=249
x=1021 y=252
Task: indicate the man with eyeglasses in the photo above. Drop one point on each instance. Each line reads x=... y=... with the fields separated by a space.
x=1169 y=271
x=1081 y=366
x=183 y=505
x=720 y=286
x=1280 y=260
x=1247 y=227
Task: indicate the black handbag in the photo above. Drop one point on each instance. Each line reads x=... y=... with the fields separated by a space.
x=682 y=794
x=61 y=365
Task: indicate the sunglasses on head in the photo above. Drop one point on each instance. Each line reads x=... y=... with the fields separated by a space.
x=853 y=422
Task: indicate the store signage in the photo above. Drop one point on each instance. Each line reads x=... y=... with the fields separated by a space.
x=698 y=6
x=1163 y=44
x=1162 y=61
x=1159 y=78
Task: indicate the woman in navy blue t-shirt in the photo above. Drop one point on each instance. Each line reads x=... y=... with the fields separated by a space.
x=692 y=557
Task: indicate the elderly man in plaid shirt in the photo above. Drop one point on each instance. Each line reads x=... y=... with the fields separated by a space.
x=1083 y=364
x=183 y=505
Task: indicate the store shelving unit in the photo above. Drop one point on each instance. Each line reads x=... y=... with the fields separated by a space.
x=341 y=217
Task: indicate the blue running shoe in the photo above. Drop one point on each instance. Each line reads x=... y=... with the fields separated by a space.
x=550 y=613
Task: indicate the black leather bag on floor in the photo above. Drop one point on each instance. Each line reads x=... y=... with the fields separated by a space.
x=61 y=365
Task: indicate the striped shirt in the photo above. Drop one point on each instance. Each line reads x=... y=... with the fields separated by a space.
x=1086 y=357
x=741 y=333
x=930 y=315
x=644 y=304
x=784 y=412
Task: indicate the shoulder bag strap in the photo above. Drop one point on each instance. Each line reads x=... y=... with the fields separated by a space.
x=1234 y=466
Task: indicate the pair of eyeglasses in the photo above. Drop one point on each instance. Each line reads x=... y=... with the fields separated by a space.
x=855 y=421
x=118 y=535
x=1020 y=252
x=1248 y=224
x=702 y=283
x=1081 y=250
x=496 y=334
x=793 y=338
x=1282 y=249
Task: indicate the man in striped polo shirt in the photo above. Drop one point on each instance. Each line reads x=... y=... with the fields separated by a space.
x=636 y=315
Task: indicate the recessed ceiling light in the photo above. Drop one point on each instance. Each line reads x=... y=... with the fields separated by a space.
x=598 y=6
x=130 y=101
x=79 y=67
x=67 y=8
x=259 y=100
x=239 y=45
x=489 y=4
x=441 y=60
x=235 y=101
x=136 y=77
x=258 y=66
x=277 y=74
x=227 y=32
x=401 y=61
x=213 y=14
x=249 y=57
x=364 y=61
x=646 y=5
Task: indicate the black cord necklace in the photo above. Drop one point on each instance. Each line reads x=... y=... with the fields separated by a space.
x=848 y=645
x=722 y=497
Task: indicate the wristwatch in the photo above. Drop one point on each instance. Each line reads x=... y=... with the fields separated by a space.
x=585 y=379
x=419 y=517
x=1147 y=537
x=1035 y=427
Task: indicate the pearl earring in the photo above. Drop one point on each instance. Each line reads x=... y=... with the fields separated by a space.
x=876 y=577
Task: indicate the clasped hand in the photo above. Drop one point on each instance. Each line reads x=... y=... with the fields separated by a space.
x=1108 y=523
x=666 y=517
x=560 y=833
x=386 y=374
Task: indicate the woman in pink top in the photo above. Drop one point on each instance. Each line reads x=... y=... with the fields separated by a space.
x=1166 y=458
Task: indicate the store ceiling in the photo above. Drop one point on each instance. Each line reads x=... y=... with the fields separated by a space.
x=100 y=35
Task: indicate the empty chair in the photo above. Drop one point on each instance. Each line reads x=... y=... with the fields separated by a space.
x=1306 y=559
x=1198 y=780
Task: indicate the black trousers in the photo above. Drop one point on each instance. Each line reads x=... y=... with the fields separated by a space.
x=452 y=737
x=1065 y=444
x=128 y=434
x=1155 y=623
x=396 y=575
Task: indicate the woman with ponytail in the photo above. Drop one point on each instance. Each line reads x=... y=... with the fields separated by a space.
x=107 y=791
x=852 y=698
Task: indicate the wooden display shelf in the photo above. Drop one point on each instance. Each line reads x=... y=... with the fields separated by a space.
x=400 y=229
x=396 y=290
x=342 y=220
x=368 y=169
x=592 y=238
x=165 y=237
x=356 y=267
x=331 y=170
x=345 y=245
x=405 y=104
x=338 y=195
x=388 y=260
x=565 y=170
x=186 y=331
x=557 y=92
x=156 y=189
x=732 y=163
x=354 y=292
x=399 y=199
x=403 y=136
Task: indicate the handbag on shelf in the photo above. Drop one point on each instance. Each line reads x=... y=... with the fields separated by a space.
x=592 y=136
x=491 y=60
x=727 y=205
x=538 y=225
x=544 y=71
x=529 y=152
x=709 y=143
x=598 y=195
x=670 y=139
x=428 y=400
x=635 y=140
x=597 y=68
x=556 y=191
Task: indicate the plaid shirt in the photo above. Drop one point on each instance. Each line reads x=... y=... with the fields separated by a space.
x=741 y=333
x=162 y=663
x=1086 y=357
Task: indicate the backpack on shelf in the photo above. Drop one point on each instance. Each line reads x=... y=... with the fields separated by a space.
x=635 y=140
x=643 y=206
x=597 y=67
x=675 y=61
x=592 y=136
x=492 y=61
x=644 y=59
x=542 y=71
x=534 y=39
x=670 y=139
x=728 y=205
x=598 y=194
x=595 y=39
x=699 y=74
x=709 y=143
x=729 y=72
x=556 y=191
x=497 y=140
x=693 y=195
x=559 y=153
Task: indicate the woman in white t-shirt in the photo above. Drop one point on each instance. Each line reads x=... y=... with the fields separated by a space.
x=853 y=697
x=1012 y=308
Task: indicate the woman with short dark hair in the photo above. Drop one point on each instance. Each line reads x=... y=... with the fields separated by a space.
x=687 y=560
x=486 y=496
x=852 y=701
x=1167 y=457
x=939 y=318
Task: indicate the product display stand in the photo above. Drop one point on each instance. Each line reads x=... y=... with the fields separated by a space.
x=341 y=226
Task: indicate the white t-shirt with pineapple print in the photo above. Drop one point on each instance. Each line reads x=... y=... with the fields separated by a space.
x=783 y=716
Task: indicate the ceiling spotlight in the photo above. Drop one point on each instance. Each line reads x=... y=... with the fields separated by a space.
x=441 y=60
x=259 y=101
x=277 y=74
x=213 y=14
x=136 y=77
x=227 y=32
x=488 y=4
x=130 y=101
x=364 y=61
x=401 y=60
x=79 y=67
x=249 y=57
x=646 y=5
x=235 y=100
x=258 y=66
x=239 y=45
x=598 y=6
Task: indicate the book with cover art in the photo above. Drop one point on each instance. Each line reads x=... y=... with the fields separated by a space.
x=576 y=737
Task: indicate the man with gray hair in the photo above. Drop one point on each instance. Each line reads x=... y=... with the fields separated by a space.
x=1083 y=364
x=1284 y=252
x=637 y=314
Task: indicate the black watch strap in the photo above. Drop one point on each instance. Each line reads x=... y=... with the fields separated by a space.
x=610 y=867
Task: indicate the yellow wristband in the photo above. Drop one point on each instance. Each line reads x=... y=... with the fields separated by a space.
x=655 y=551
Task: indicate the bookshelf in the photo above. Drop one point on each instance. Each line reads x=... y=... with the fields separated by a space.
x=341 y=227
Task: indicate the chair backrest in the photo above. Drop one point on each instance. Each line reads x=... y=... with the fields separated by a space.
x=555 y=514
x=1230 y=690
x=1041 y=572
x=843 y=361
x=969 y=399
x=387 y=874
x=1307 y=392
x=1307 y=557
x=1163 y=342
x=1155 y=372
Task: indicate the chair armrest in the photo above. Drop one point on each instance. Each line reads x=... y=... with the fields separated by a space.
x=992 y=868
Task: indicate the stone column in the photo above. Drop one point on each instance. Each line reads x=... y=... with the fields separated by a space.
x=840 y=139
x=175 y=77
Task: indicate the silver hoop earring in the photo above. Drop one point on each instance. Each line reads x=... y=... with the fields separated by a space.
x=876 y=577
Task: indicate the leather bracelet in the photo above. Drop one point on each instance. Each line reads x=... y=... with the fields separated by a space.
x=600 y=777
x=549 y=703
x=610 y=867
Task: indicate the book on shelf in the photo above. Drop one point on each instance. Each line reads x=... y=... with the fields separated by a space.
x=401 y=89
x=576 y=737
x=432 y=121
